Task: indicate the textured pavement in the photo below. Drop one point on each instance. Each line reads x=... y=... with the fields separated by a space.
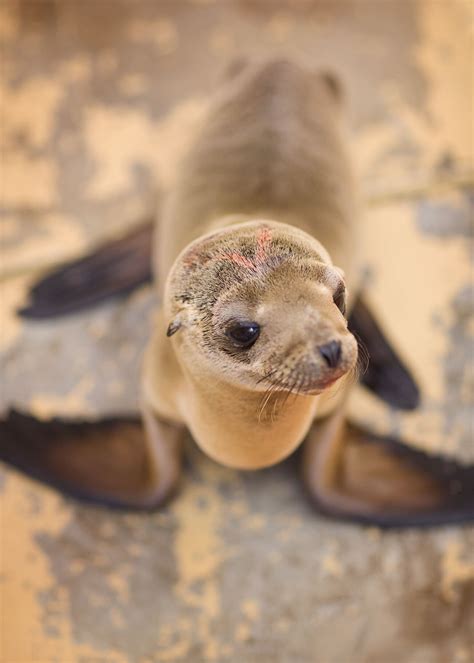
x=98 y=100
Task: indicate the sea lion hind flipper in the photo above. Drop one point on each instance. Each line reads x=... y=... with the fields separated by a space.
x=116 y=268
x=354 y=475
x=386 y=374
x=110 y=462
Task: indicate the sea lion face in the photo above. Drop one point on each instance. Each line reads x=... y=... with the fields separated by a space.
x=260 y=305
x=287 y=331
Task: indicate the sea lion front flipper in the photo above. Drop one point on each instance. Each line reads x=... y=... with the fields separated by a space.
x=112 y=461
x=386 y=374
x=354 y=475
x=113 y=269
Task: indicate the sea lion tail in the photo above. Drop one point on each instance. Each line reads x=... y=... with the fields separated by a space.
x=114 y=269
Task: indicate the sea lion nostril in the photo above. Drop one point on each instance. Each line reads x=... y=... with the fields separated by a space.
x=331 y=352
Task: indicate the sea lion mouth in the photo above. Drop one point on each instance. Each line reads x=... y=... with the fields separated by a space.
x=307 y=376
x=282 y=389
x=282 y=392
x=305 y=384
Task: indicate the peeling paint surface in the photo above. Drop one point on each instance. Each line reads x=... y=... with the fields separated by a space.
x=238 y=567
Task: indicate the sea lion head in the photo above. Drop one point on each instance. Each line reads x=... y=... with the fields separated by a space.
x=259 y=305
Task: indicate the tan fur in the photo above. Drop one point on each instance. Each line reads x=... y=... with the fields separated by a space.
x=263 y=205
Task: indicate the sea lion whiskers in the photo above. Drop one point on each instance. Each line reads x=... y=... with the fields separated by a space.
x=275 y=386
x=294 y=390
x=263 y=402
x=273 y=414
x=283 y=389
x=283 y=398
x=362 y=363
x=280 y=394
x=268 y=375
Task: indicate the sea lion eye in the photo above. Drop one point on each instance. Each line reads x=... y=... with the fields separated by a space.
x=243 y=333
x=339 y=299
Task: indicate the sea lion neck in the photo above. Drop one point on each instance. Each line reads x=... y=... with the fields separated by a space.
x=235 y=426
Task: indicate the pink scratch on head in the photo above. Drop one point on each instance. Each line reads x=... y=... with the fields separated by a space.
x=263 y=241
x=239 y=259
x=261 y=254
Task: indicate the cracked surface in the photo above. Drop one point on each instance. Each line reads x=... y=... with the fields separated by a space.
x=97 y=103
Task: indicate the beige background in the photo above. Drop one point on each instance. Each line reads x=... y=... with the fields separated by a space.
x=98 y=100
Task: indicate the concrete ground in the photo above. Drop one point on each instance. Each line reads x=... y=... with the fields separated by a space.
x=98 y=100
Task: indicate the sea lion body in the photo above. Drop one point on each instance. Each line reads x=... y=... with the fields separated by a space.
x=270 y=161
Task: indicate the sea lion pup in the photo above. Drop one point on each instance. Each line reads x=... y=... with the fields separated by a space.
x=255 y=316
x=257 y=261
x=253 y=305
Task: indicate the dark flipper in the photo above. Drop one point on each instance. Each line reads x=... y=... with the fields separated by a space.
x=386 y=374
x=353 y=475
x=112 y=461
x=114 y=269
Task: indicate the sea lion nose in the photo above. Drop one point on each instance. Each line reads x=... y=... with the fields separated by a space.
x=331 y=352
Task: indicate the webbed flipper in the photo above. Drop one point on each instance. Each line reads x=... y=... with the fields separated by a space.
x=116 y=268
x=386 y=375
x=357 y=476
x=113 y=461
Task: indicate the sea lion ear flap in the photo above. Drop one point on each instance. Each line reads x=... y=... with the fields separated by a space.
x=173 y=327
x=334 y=84
x=340 y=294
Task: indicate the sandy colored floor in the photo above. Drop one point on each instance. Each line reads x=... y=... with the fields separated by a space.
x=98 y=99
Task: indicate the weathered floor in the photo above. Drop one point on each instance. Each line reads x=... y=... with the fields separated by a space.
x=97 y=102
